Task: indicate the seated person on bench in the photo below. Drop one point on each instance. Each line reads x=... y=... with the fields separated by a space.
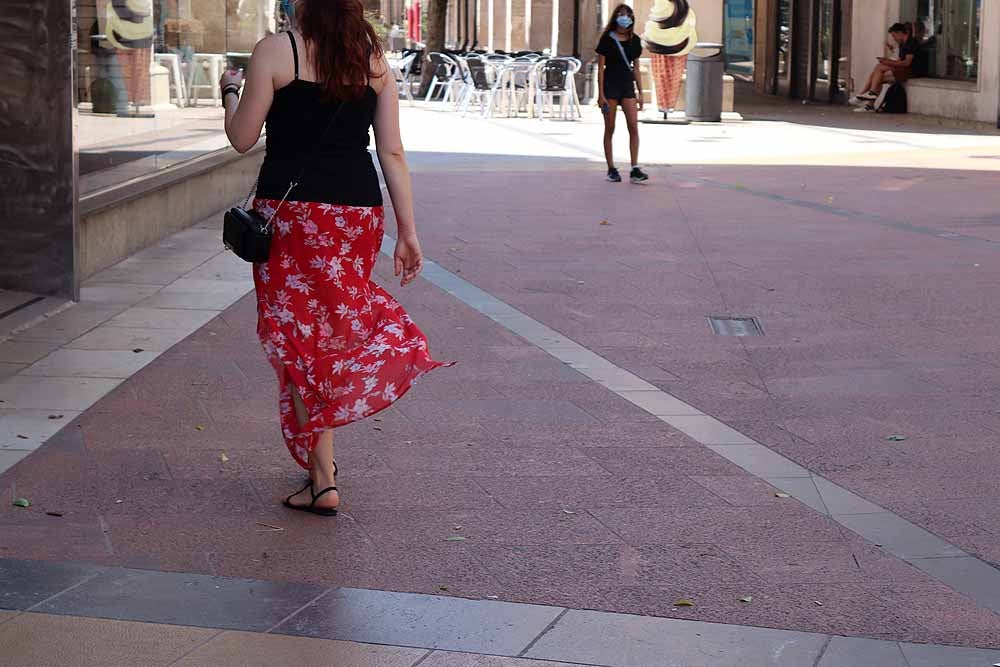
x=888 y=70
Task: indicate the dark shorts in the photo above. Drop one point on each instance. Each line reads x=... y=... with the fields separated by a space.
x=619 y=90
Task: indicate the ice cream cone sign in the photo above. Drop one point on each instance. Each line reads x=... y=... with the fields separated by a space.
x=670 y=30
x=669 y=36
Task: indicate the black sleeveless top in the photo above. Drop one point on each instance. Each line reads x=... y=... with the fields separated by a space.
x=338 y=165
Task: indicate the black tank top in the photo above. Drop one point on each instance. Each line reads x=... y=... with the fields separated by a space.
x=338 y=165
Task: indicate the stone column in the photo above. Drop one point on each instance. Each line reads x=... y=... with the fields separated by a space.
x=541 y=25
x=38 y=235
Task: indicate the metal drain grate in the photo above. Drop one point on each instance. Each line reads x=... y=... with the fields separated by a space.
x=735 y=326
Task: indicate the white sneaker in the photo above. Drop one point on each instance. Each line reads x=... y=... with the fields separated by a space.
x=867 y=108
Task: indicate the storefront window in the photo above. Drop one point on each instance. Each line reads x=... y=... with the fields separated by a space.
x=738 y=30
x=949 y=30
x=147 y=76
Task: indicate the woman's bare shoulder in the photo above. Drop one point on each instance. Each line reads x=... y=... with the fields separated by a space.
x=379 y=71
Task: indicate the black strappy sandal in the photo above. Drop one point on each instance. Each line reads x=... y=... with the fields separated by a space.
x=311 y=507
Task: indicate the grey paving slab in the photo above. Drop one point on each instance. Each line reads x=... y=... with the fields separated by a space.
x=759 y=460
x=195 y=300
x=422 y=621
x=128 y=338
x=614 y=378
x=25 y=583
x=124 y=293
x=659 y=403
x=621 y=640
x=971 y=576
x=839 y=500
x=28 y=429
x=91 y=363
x=855 y=652
x=163 y=318
x=70 y=323
x=802 y=489
x=7 y=370
x=898 y=536
x=183 y=599
x=25 y=351
x=205 y=286
x=708 y=430
x=927 y=655
x=10 y=457
x=43 y=393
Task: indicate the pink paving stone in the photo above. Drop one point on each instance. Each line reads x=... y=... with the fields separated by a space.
x=701 y=525
x=623 y=461
x=399 y=528
x=674 y=492
x=846 y=289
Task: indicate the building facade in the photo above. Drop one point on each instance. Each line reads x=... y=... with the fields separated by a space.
x=824 y=50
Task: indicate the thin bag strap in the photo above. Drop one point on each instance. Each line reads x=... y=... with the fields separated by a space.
x=302 y=171
x=295 y=53
x=621 y=50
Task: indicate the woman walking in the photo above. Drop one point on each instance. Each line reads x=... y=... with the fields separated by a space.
x=342 y=347
x=618 y=78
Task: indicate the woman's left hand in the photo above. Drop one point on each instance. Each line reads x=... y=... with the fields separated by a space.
x=232 y=76
x=638 y=100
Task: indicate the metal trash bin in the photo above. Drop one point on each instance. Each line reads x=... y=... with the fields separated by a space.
x=703 y=88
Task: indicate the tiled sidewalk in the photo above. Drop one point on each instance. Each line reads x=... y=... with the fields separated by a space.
x=127 y=316
x=106 y=617
x=538 y=485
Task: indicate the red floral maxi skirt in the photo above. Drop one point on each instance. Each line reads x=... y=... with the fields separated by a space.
x=341 y=340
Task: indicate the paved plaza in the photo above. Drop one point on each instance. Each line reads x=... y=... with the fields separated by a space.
x=601 y=479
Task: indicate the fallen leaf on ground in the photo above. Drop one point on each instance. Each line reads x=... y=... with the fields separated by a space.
x=119 y=501
x=605 y=223
x=442 y=588
x=896 y=438
x=378 y=428
x=22 y=437
x=55 y=416
x=199 y=428
x=818 y=603
x=684 y=603
x=568 y=512
x=782 y=495
x=137 y=350
x=54 y=513
x=746 y=598
x=455 y=538
x=829 y=200
x=458 y=528
x=225 y=459
x=21 y=502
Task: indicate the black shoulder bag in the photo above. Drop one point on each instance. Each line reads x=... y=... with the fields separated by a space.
x=245 y=231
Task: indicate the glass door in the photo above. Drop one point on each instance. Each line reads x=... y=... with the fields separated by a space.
x=783 y=42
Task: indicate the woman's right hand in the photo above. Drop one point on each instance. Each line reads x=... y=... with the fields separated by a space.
x=408 y=258
x=602 y=102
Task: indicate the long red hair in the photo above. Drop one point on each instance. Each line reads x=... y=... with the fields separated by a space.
x=342 y=44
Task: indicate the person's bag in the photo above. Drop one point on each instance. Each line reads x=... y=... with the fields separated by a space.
x=247 y=234
x=245 y=231
x=894 y=100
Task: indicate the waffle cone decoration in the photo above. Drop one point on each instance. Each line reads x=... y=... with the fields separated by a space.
x=669 y=36
x=668 y=75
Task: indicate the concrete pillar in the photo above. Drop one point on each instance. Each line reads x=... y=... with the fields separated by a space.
x=540 y=36
x=38 y=233
x=500 y=25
